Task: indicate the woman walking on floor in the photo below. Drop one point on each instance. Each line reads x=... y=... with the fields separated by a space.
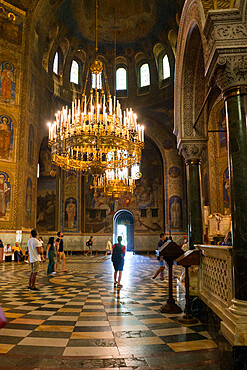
x=50 y=254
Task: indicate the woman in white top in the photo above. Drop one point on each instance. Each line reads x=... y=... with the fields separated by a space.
x=108 y=247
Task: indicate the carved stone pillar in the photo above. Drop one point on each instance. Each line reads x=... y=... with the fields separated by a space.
x=226 y=65
x=191 y=151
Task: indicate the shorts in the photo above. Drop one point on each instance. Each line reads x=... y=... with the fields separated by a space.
x=34 y=266
x=118 y=266
x=60 y=256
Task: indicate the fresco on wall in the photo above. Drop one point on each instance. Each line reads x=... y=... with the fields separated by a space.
x=46 y=191
x=70 y=207
x=7 y=82
x=5 y=190
x=168 y=144
x=6 y=138
x=45 y=158
x=29 y=196
x=174 y=172
x=11 y=25
x=32 y=94
x=175 y=212
x=46 y=204
x=226 y=191
x=146 y=204
x=30 y=144
x=222 y=126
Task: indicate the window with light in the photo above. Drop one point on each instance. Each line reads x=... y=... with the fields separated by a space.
x=121 y=79
x=55 y=63
x=97 y=81
x=145 y=75
x=166 y=67
x=74 y=72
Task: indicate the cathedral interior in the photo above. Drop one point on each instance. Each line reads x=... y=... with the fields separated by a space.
x=182 y=67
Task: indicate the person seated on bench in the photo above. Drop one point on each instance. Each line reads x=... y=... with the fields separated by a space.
x=7 y=253
x=17 y=252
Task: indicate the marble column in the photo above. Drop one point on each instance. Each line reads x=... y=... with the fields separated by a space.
x=236 y=111
x=192 y=151
x=195 y=226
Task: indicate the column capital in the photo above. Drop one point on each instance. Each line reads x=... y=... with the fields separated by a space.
x=192 y=150
x=231 y=74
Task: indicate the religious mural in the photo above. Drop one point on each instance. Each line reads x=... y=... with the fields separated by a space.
x=70 y=207
x=30 y=144
x=168 y=144
x=226 y=191
x=45 y=159
x=11 y=25
x=146 y=203
x=5 y=189
x=6 y=138
x=175 y=212
x=29 y=196
x=46 y=202
x=7 y=82
x=174 y=172
x=32 y=94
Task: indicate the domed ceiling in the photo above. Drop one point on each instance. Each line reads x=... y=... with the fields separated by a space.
x=132 y=20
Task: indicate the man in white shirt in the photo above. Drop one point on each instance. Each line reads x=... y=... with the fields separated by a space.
x=34 y=249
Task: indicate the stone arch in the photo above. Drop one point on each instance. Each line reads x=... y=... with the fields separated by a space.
x=187 y=59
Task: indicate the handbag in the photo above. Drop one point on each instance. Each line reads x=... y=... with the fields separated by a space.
x=3 y=320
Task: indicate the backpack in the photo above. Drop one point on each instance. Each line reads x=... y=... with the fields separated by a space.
x=117 y=253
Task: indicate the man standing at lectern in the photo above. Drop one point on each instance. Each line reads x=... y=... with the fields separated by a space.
x=163 y=239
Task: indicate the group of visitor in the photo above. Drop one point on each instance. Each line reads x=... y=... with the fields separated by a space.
x=12 y=253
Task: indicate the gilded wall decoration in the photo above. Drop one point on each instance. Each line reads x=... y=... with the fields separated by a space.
x=7 y=82
x=6 y=138
x=70 y=216
x=30 y=144
x=29 y=190
x=175 y=212
x=5 y=190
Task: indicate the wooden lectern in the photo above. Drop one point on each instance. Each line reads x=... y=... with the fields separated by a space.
x=169 y=252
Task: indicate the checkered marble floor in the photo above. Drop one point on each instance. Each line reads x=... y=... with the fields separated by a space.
x=79 y=320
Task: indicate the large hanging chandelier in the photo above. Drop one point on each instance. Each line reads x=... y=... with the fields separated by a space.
x=96 y=137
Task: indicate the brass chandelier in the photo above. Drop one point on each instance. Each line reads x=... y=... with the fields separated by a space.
x=96 y=137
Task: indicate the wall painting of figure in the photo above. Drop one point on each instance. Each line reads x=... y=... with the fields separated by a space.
x=5 y=190
x=70 y=207
x=6 y=138
x=7 y=82
x=29 y=196
x=175 y=212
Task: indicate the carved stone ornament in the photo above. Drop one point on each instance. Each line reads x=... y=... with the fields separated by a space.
x=192 y=150
x=231 y=71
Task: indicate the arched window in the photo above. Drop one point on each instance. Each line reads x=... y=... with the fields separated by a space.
x=145 y=75
x=55 y=63
x=97 y=81
x=166 y=67
x=74 y=72
x=121 y=79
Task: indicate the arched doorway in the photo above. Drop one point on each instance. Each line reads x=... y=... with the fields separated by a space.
x=123 y=224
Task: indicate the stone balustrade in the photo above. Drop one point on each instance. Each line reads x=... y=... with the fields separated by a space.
x=215 y=277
